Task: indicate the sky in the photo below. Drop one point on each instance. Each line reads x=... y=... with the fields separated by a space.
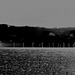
x=44 y=13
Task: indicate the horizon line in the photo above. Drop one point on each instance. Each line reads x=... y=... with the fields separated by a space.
x=34 y=26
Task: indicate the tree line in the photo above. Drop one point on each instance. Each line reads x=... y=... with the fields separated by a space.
x=37 y=36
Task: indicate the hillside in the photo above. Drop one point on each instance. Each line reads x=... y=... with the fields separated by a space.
x=37 y=35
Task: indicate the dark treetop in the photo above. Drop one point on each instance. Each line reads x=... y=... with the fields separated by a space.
x=37 y=35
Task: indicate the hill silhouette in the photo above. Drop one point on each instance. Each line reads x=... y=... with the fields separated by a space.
x=37 y=36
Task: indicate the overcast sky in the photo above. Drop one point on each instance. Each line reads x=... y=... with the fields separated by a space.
x=48 y=13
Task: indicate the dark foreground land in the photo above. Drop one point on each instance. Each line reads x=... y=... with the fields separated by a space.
x=27 y=36
x=36 y=62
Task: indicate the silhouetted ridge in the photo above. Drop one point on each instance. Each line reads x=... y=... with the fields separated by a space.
x=36 y=36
